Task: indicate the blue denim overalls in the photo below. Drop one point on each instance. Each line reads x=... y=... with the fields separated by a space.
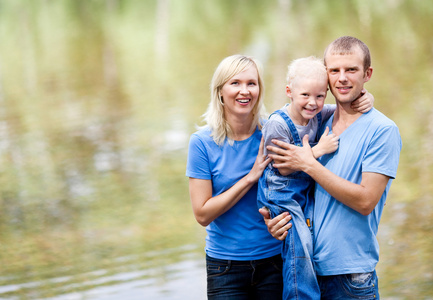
x=293 y=193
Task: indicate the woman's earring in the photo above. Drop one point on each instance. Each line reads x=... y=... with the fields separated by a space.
x=221 y=100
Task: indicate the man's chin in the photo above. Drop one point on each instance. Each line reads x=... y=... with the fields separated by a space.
x=346 y=98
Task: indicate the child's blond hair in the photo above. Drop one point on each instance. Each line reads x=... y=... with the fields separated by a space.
x=306 y=68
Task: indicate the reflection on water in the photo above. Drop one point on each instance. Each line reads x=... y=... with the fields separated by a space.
x=137 y=277
x=98 y=99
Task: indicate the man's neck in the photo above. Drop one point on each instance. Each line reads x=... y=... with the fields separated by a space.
x=344 y=116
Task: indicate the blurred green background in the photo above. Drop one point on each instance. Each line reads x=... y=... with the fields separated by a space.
x=97 y=102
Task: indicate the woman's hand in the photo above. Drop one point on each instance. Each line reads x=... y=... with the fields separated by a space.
x=277 y=226
x=259 y=165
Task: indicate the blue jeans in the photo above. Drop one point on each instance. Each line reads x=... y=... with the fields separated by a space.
x=244 y=280
x=293 y=193
x=349 y=286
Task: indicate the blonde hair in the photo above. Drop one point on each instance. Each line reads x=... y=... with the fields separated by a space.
x=214 y=115
x=306 y=68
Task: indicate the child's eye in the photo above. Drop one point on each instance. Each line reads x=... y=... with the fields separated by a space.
x=304 y=95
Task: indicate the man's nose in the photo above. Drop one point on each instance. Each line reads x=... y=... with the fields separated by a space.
x=342 y=76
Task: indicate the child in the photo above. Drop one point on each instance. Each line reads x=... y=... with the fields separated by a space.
x=293 y=191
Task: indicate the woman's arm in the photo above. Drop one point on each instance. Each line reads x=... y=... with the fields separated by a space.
x=207 y=208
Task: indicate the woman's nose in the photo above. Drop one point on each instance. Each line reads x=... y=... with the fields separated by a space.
x=244 y=89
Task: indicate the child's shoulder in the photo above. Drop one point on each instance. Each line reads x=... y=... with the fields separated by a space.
x=275 y=117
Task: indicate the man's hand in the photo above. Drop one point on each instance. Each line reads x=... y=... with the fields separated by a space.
x=291 y=156
x=277 y=226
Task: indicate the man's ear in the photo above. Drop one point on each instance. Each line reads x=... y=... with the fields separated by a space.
x=368 y=74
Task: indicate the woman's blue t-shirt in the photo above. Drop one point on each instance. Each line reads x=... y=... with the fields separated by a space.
x=240 y=233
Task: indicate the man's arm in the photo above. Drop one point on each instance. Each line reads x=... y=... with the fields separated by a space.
x=361 y=197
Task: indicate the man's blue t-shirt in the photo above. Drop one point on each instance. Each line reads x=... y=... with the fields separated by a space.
x=240 y=233
x=345 y=240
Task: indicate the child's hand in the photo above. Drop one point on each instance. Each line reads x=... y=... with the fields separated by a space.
x=364 y=102
x=328 y=143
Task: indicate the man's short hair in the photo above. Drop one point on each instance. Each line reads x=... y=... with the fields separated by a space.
x=345 y=45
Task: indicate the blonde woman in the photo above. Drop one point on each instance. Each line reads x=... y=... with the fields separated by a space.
x=225 y=161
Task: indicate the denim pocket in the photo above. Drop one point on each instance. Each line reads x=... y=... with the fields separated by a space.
x=359 y=285
x=216 y=268
x=361 y=278
x=277 y=263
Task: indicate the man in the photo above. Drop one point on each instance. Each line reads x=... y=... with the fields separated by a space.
x=352 y=183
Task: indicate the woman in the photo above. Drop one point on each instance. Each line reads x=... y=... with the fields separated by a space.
x=243 y=260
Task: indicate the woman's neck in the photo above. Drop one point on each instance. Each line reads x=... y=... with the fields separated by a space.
x=241 y=127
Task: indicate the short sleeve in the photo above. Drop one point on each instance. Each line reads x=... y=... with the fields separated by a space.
x=383 y=152
x=197 y=165
x=276 y=128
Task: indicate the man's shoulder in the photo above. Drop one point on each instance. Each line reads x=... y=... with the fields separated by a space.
x=379 y=119
x=381 y=128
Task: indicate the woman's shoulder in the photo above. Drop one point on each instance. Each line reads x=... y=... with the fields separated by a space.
x=203 y=136
x=202 y=132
